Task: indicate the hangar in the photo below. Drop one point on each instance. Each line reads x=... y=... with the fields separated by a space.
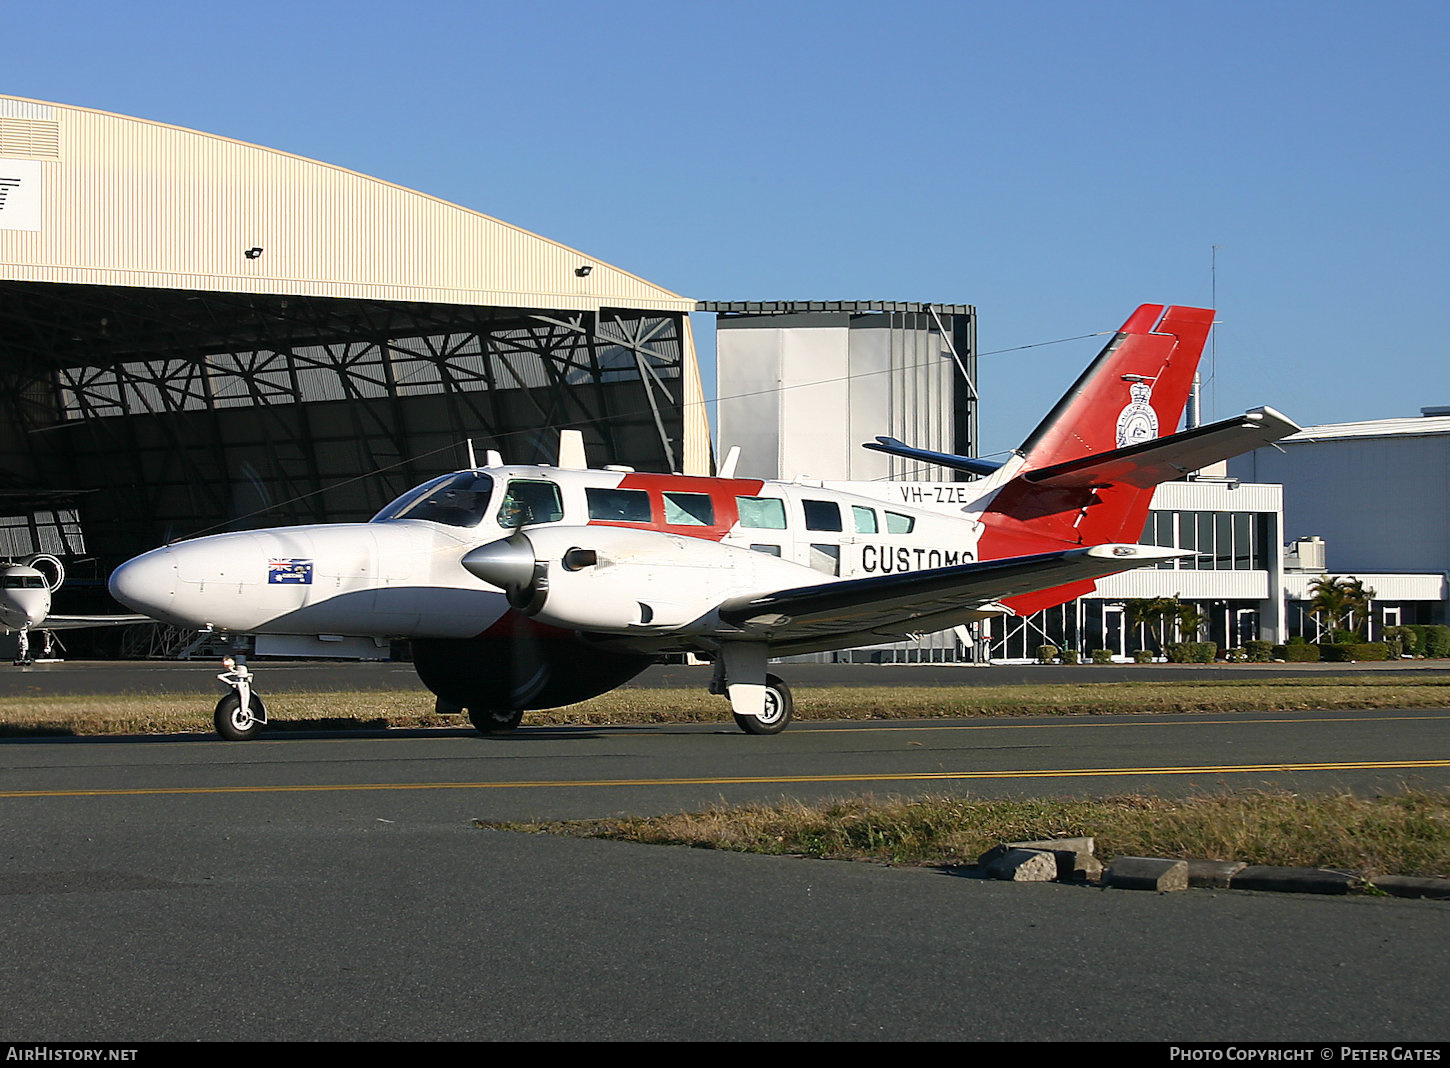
x=198 y=334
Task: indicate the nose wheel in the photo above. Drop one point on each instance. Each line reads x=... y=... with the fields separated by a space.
x=236 y=723
x=240 y=715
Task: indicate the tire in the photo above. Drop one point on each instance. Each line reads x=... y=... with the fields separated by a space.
x=778 y=709
x=236 y=725
x=495 y=720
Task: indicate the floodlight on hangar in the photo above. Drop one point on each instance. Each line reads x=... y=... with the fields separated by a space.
x=364 y=333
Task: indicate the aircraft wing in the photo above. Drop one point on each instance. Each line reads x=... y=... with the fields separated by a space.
x=78 y=622
x=1165 y=459
x=885 y=606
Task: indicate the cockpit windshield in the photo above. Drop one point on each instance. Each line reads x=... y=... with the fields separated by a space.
x=22 y=582
x=459 y=500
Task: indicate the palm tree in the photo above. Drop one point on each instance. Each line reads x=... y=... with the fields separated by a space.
x=1190 y=622
x=1153 y=613
x=1337 y=600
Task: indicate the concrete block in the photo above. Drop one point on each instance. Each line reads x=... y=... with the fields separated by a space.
x=1024 y=866
x=1213 y=873
x=1075 y=860
x=1413 y=886
x=1293 y=880
x=1147 y=873
x=1082 y=868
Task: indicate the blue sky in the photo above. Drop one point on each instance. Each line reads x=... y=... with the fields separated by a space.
x=1053 y=163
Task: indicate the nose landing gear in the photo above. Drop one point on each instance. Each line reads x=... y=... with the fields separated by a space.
x=241 y=714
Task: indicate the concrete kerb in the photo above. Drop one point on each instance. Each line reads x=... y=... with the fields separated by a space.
x=1071 y=860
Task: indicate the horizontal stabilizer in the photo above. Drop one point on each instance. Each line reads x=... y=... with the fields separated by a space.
x=942 y=459
x=1164 y=459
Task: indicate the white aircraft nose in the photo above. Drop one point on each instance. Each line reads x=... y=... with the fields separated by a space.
x=146 y=584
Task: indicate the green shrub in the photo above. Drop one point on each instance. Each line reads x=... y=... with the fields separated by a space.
x=1297 y=653
x=1341 y=652
x=1297 y=639
x=1418 y=647
x=1191 y=652
x=1046 y=654
x=1142 y=656
x=1258 y=651
x=1102 y=656
x=1437 y=641
x=1340 y=636
x=1401 y=641
x=1069 y=656
x=1235 y=656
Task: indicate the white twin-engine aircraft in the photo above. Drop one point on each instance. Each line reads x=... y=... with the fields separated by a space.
x=25 y=590
x=526 y=587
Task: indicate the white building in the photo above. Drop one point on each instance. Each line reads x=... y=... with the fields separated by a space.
x=1369 y=500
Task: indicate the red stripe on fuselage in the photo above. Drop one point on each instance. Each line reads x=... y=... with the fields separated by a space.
x=721 y=491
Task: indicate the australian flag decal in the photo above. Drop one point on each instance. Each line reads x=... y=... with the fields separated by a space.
x=289 y=572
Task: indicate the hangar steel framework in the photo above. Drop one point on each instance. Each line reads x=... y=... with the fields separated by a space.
x=188 y=411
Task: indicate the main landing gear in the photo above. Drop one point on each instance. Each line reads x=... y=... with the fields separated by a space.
x=495 y=720
x=240 y=715
x=776 y=713
x=760 y=702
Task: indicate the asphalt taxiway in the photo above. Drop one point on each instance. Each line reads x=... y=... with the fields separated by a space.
x=333 y=885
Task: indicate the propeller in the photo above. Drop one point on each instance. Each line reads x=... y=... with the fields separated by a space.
x=512 y=566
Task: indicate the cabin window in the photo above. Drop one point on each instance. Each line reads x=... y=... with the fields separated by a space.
x=896 y=523
x=768 y=550
x=865 y=519
x=761 y=513
x=459 y=500
x=528 y=502
x=689 y=510
x=618 y=505
x=822 y=515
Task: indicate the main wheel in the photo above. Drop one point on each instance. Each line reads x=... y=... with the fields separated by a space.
x=777 y=712
x=238 y=724
x=495 y=720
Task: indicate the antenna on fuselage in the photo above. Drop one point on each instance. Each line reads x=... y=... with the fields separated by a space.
x=571 y=451
x=727 y=468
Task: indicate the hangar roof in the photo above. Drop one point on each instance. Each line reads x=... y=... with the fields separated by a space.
x=1404 y=426
x=96 y=198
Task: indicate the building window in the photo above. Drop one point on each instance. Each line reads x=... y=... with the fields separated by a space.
x=1222 y=541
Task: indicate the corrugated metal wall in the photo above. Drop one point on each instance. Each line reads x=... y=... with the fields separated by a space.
x=137 y=203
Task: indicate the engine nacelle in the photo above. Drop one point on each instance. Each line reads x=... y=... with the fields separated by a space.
x=616 y=579
x=49 y=566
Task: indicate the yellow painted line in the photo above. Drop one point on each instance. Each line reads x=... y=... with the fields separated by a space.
x=1150 y=719
x=762 y=780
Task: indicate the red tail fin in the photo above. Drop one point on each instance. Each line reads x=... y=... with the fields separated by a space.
x=1134 y=391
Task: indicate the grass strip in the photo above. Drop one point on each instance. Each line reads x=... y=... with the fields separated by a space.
x=181 y=712
x=1406 y=834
